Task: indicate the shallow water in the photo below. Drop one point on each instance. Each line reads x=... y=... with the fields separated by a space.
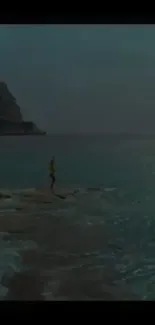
x=97 y=244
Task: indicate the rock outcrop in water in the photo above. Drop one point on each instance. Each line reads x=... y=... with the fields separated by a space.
x=11 y=120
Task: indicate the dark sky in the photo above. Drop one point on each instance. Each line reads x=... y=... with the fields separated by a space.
x=82 y=78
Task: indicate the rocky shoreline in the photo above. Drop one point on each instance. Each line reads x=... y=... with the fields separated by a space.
x=57 y=247
x=22 y=222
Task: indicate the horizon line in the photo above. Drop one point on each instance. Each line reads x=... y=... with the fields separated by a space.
x=101 y=133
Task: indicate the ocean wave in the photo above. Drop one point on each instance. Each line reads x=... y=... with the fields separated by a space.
x=10 y=259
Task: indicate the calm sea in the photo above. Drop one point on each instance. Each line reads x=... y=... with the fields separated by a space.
x=109 y=234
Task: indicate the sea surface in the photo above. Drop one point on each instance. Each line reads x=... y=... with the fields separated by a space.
x=98 y=243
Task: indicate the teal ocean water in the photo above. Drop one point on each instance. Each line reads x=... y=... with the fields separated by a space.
x=102 y=241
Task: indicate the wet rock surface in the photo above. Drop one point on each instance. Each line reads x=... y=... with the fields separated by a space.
x=16 y=223
x=66 y=261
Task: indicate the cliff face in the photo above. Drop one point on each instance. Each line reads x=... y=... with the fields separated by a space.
x=11 y=121
x=9 y=109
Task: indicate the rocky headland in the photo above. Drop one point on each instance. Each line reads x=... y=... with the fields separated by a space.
x=11 y=120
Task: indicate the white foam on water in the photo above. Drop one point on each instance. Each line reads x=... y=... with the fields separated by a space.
x=110 y=189
x=81 y=190
x=28 y=244
x=7 y=211
x=3 y=292
x=8 y=204
x=24 y=190
x=10 y=262
x=10 y=259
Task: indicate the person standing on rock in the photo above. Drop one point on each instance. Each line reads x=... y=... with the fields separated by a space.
x=52 y=172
